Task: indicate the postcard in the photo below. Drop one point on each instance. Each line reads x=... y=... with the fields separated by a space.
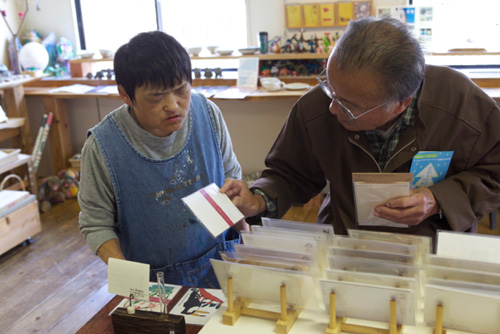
x=282 y=242
x=374 y=189
x=468 y=246
x=153 y=304
x=197 y=305
x=462 y=310
x=300 y=226
x=369 y=302
x=213 y=208
x=374 y=245
x=423 y=243
x=246 y=250
x=261 y=284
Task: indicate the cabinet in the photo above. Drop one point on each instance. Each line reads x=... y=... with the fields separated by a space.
x=21 y=221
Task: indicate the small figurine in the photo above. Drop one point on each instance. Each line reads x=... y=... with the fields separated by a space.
x=99 y=75
x=274 y=71
x=208 y=73
x=312 y=44
x=90 y=76
x=283 y=72
x=197 y=73
x=218 y=72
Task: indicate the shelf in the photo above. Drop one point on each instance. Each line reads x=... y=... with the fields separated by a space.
x=21 y=159
x=267 y=56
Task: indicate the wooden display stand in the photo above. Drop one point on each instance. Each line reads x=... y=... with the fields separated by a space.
x=439 y=320
x=337 y=324
x=284 y=320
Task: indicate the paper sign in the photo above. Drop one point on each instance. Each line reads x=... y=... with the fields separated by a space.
x=248 y=72
x=127 y=278
x=374 y=189
x=214 y=209
x=429 y=168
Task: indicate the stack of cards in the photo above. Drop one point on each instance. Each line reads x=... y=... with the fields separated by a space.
x=369 y=269
x=464 y=278
x=278 y=252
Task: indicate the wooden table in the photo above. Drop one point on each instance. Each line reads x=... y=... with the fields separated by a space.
x=101 y=322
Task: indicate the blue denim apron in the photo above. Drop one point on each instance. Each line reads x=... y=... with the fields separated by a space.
x=153 y=224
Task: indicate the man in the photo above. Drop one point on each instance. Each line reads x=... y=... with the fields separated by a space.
x=377 y=107
x=138 y=163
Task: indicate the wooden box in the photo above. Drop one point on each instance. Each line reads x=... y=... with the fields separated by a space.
x=18 y=226
x=147 y=322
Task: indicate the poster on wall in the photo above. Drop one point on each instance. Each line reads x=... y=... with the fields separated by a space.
x=311 y=16
x=327 y=14
x=293 y=16
x=346 y=13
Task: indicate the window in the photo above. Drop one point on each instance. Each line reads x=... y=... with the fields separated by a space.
x=205 y=23
x=107 y=24
x=464 y=23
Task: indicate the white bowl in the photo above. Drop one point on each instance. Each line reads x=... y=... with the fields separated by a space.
x=224 y=52
x=248 y=51
x=106 y=53
x=212 y=48
x=87 y=55
x=194 y=51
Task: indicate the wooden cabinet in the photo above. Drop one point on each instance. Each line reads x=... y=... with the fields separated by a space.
x=19 y=221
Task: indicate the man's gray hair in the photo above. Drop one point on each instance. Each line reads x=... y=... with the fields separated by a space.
x=385 y=47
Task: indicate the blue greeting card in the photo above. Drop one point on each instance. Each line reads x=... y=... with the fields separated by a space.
x=430 y=167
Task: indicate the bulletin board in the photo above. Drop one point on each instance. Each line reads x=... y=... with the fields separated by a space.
x=327 y=14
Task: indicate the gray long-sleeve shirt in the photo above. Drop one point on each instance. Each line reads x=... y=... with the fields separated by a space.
x=96 y=196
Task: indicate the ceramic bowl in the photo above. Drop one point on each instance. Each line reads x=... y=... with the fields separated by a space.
x=249 y=50
x=212 y=49
x=87 y=55
x=194 y=51
x=106 y=53
x=224 y=52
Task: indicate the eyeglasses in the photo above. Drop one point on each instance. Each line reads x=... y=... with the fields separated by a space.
x=325 y=86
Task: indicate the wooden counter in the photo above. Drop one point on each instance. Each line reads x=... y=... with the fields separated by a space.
x=60 y=139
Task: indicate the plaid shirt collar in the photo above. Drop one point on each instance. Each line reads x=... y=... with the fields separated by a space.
x=382 y=148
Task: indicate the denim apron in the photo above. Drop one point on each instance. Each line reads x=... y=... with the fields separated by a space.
x=153 y=225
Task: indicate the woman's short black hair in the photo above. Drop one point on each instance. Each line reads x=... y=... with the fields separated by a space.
x=153 y=59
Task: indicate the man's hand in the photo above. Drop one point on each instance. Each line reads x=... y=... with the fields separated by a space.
x=247 y=202
x=411 y=210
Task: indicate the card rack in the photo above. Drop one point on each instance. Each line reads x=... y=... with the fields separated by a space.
x=336 y=324
x=239 y=306
x=438 y=329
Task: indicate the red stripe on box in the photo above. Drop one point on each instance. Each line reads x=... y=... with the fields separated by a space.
x=216 y=207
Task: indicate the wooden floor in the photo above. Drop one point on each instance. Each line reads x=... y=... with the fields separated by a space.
x=56 y=284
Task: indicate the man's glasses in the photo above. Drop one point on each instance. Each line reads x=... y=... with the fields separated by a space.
x=325 y=86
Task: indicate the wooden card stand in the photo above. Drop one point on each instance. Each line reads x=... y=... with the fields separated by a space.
x=239 y=306
x=439 y=320
x=337 y=324
x=147 y=322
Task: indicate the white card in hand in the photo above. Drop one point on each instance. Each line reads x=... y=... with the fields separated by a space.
x=213 y=209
